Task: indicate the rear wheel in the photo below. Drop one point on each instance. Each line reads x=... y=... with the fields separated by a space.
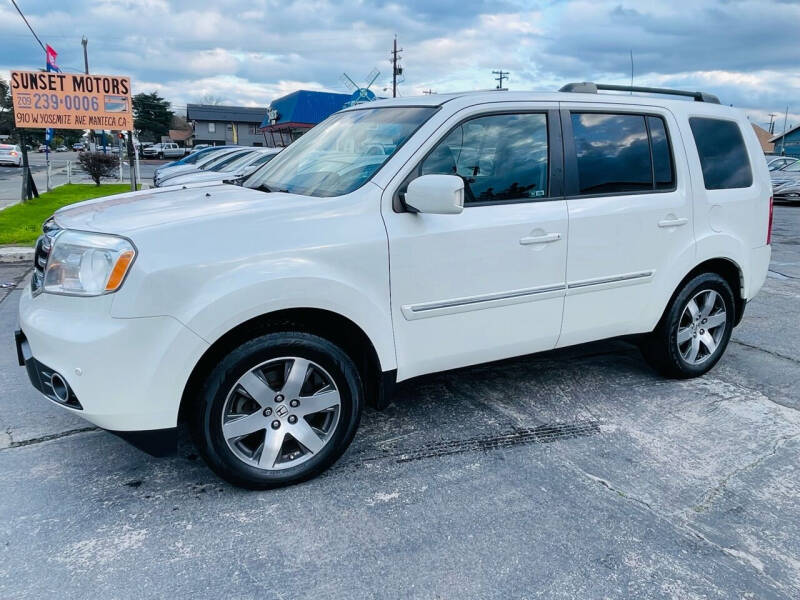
x=278 y=410
x=695 y=329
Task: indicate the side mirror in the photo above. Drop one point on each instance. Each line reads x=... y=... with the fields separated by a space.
x=436 y=194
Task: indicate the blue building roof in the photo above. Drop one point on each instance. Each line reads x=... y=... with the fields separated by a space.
x=305 y=106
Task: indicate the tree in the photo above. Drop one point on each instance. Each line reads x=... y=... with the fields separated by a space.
x=152 y=116
x=98 y=165
x=212 y=100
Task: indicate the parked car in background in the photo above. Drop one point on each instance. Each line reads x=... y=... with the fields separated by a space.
x=77 y=147
x=42 y=148
x=232 y=170
x=785 y=175
x=164 y=150
x=787 y=192
x=199 y=147
x=10 y=154
x=775 y=163
x=190 y=162
x=62 y=148
x=140 y=148
x=499 y=224
x=218 y=159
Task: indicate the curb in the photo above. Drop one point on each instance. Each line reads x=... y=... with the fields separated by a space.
x=16 y=254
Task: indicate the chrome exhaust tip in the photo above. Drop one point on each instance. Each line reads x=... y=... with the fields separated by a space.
x=60 y=387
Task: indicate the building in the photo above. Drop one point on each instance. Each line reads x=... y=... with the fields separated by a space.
x=764 y=137
x=292 y=115
x=788 y=142
x=220 y=125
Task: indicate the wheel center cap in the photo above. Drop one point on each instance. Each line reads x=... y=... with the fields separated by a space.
x=282 y=411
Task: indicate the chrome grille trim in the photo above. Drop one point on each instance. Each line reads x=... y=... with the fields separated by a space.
x=42 y=253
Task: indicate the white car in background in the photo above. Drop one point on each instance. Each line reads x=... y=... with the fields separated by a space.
x=213 y=161
x=190 y=163
x=776 y=163
x=10 y=155
x=235 y=170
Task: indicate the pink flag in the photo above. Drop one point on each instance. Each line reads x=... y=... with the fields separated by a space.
x=51 y=58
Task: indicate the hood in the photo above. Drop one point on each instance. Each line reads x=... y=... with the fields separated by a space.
x=125 y=213
x=169 y=170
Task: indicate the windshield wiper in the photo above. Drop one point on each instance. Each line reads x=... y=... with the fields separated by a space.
x=265 y=188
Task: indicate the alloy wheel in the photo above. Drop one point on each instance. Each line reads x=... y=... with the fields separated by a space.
x=701 y=327
x=281 y=413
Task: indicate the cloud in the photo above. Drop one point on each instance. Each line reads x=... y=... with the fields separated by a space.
x=249 y=51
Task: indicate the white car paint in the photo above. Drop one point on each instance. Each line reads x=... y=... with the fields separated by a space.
x=431 y=291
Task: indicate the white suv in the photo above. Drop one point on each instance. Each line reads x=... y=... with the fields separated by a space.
x=495 y=224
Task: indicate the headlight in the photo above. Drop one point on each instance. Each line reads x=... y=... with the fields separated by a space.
x=87 y=264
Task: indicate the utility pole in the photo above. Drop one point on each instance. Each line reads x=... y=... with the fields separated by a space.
x=84 y=41
x=772 y=122
x=500 y=76
x=396 y=68
x=783 y=139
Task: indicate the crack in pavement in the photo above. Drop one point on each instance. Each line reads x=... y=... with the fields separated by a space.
x=685 y=529
x=770 y=352
x=711 y=496
x=44 y=438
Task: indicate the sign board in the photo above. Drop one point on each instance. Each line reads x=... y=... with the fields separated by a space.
x=71 y=101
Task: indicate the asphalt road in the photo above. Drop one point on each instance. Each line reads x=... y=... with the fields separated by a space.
x=573 y=474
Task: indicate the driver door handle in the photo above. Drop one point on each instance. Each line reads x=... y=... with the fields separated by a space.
x=673 y=222
x=540 y=239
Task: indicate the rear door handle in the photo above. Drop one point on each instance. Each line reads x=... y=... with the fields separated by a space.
x=673 y=222
x=540 y=239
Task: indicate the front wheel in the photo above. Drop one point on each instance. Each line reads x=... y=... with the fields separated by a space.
x=695 y=329
x=277 y=410
x=161 y=156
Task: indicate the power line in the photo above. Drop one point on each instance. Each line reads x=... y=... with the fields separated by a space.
x=14 y=2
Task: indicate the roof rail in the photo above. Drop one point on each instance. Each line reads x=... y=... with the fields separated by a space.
x=588 y=87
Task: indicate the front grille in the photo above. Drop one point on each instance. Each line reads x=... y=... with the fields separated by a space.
x=43 y=247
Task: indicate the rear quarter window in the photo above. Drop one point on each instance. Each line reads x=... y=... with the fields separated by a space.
x=723 y=154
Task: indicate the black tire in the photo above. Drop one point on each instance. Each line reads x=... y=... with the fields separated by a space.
x=660 y=348
x=206 y=419
x=161 y=156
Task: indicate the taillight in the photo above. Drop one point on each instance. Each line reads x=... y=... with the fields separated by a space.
x=13 y=154
x=769 y=227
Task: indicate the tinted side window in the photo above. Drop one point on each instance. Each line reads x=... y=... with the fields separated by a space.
x=499 y=157
x=723 y=155
x=662 y=157
x=613 y=153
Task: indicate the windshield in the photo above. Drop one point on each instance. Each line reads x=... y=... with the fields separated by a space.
x=218 y=158
x=795 y=166
x=224 y=162
x=340 y=154
x=242 y=161
x=195 y=156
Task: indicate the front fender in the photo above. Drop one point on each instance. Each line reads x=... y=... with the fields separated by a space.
x=226 y=311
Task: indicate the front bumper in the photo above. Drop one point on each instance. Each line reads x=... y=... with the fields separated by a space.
x=125 y=375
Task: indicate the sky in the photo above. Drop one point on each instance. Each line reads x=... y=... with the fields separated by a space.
x=249 y=52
